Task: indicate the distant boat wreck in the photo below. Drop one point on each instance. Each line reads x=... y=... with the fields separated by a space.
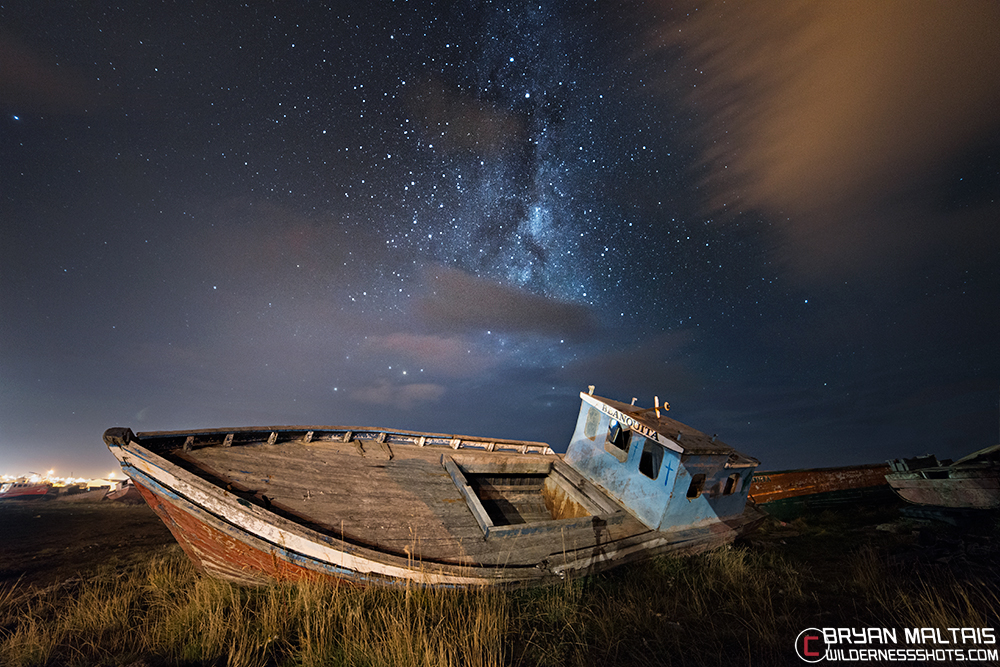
x=79 y=491
x=82 y=493
x=25 y=490
x=786 y=493
x=381 y=506
x=972 y=482
x=125 y=493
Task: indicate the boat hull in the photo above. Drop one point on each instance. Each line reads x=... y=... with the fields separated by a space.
x=126 y=494
x=85 y=496
x=771 y=486
x=226 y=552
x=969 y=491
x=228 y=537
x=787 y=493
x=25 y=491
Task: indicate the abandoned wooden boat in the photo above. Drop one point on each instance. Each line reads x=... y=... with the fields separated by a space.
x=786 y=493
x=972 y=482
x=26 y=490
x=81 y=493
x=125 y=493
x=383 y=506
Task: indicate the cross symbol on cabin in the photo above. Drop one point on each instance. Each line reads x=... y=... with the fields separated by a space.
x=670 y=467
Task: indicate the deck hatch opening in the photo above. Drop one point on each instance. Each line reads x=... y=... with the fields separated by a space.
x=509 y=496
x=511 y=499
x=697 y=486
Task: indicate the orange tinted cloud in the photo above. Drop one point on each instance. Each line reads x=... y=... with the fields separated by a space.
x=30 y=82
x=402 y=396
x=836 y=118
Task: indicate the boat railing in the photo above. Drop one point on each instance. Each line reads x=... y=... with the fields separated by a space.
x=276 y=435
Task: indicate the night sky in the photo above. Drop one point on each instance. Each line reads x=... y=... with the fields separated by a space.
x=455 y=216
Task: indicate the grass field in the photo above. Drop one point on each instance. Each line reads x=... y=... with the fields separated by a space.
x=739 y=605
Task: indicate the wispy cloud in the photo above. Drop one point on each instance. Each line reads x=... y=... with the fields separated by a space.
x=402 y=396
x=459 y=302
x=448 y=356
x=848 y=124
x=32 y=82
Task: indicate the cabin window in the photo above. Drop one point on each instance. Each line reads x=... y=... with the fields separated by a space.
x=697 y=486
x=619 y=438
x=593 y=419
x=732 y=485
x=652 y=457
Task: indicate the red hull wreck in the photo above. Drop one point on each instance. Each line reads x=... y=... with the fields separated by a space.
x=786 y=492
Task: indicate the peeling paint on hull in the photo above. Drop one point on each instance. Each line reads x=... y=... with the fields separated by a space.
x=227 y=554
x=221 y=548
x=224 y=551
x=972 y=482
x=768 y=487
x=21 y=491
x=974 y=492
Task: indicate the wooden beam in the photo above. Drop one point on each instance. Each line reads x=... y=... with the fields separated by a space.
x=586 y=487
x=475 y=506
x=578 y=496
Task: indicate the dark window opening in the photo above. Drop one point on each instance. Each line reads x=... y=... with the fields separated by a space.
x=618 y=441
x=619 y=437
x=652 y=457
x=697 y=486
x=732 y=485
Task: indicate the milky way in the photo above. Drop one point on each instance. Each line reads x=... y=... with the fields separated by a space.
x=456 y=216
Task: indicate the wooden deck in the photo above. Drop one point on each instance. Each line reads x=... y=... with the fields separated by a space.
x=401 y=498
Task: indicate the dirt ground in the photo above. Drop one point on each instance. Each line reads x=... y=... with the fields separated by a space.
x=47 y=542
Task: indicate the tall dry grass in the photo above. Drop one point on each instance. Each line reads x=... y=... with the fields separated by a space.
x=734 y=605
x=731 y=605
x=164 y=610
x=934 y=599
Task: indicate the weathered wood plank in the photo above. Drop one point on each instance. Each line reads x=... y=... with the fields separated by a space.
x=475 y=506
x=574 y=494
x=344 y=504
x=418 y=511
x=578 y=481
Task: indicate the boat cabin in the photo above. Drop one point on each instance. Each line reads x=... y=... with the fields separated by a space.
x=664 y=472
